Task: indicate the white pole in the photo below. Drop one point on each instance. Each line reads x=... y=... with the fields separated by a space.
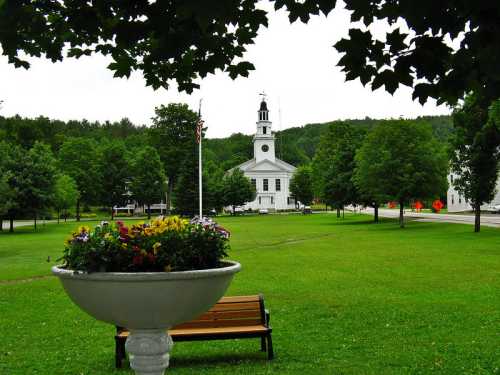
x=200 y=173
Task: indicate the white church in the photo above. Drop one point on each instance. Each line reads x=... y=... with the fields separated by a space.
x=269 y=175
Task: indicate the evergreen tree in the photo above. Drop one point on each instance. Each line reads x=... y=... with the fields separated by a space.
x=186 y=194
x=475 y=152
x=147 y=182
x=402 y=161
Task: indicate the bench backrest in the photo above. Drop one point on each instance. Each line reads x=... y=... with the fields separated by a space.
x=230 y=312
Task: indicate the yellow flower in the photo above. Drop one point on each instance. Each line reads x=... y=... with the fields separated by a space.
x=156 y=246
x=168 y=268
x=83 y=228
x=144 y=252
x=124 y=246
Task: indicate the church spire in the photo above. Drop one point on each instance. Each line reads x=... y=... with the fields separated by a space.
x=263 y=111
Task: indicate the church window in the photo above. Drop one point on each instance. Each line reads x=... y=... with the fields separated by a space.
x=264 y=130
x=260 y=200
x=451 y=178
x=254 y=183
x=272 y=200
x=265 y=184
x=452 y=199
x=265 y=148
x=278 y=184
x=459 y=199
x=287 y=200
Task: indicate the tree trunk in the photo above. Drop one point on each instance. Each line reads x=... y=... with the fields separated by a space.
x=401 y=214
x=343 y=213
x=1 y=224
x=234 y=211
x=149 y=211
x=58 y=215
x=78 y=209
x=35 y=220
x=477 y=218
x=375 y=213
x=11 y=224
x=112 y=214
x=65 y=215
x=338 y=212
x=169 y=194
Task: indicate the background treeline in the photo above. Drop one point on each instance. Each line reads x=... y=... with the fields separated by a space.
x=296 y=146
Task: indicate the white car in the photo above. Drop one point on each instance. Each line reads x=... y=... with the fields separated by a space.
x=495 y=208
x=263 y=211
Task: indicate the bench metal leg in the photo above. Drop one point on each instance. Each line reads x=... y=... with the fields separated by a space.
x=263 y=344
x=270 y=352
x=119 y=352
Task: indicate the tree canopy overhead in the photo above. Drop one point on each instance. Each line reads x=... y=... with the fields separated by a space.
x=186 y=40
x=166 y=40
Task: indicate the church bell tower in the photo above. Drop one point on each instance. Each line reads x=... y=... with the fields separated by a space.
x=263 y=141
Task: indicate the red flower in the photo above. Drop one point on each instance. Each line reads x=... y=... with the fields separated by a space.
x=137 y=260
x=136 y=248
x=119 y=223
x=151 y=258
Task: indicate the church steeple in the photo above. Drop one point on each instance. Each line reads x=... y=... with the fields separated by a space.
x=263 y=111
x=264 y=138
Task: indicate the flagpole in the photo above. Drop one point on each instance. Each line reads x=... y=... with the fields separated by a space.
x=200 y=171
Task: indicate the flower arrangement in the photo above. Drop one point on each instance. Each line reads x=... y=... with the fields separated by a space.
x=163 y=245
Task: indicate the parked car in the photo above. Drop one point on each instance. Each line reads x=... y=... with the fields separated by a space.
x=263 y=211
x=307 y=210
x=495 y=208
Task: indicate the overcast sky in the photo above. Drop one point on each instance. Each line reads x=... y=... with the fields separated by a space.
x=295 y=66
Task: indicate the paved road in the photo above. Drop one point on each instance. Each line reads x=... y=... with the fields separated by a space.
x=489 y=220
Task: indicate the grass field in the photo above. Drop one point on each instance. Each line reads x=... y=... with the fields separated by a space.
x=346 y=297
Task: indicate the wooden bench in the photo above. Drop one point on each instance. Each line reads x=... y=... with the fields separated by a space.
x=230 y=318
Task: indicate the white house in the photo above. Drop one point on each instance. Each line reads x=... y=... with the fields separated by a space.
x=458 y=203
x=270 y=175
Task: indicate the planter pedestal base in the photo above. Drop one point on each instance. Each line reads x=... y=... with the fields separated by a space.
x=149 y=351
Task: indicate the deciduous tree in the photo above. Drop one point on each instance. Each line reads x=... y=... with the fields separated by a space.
x=65 y=195
x=78 y=158
x=114 y=171
x=401 y=161
x=237 y=189
x=173 y=135
x=475 y=152
x=334 y=165
x=301 y=185
x=147 y=179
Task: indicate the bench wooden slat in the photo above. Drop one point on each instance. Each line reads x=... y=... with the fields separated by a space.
x=231 y=314
x=236 y=299
x=236 y=306
x=219 y=323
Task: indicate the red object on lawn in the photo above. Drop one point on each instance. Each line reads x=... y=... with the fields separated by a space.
x=437 y=205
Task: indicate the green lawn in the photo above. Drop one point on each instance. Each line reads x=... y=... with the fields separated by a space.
x=346 y=297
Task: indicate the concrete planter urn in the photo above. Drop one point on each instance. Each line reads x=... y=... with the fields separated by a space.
x=148 y=304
